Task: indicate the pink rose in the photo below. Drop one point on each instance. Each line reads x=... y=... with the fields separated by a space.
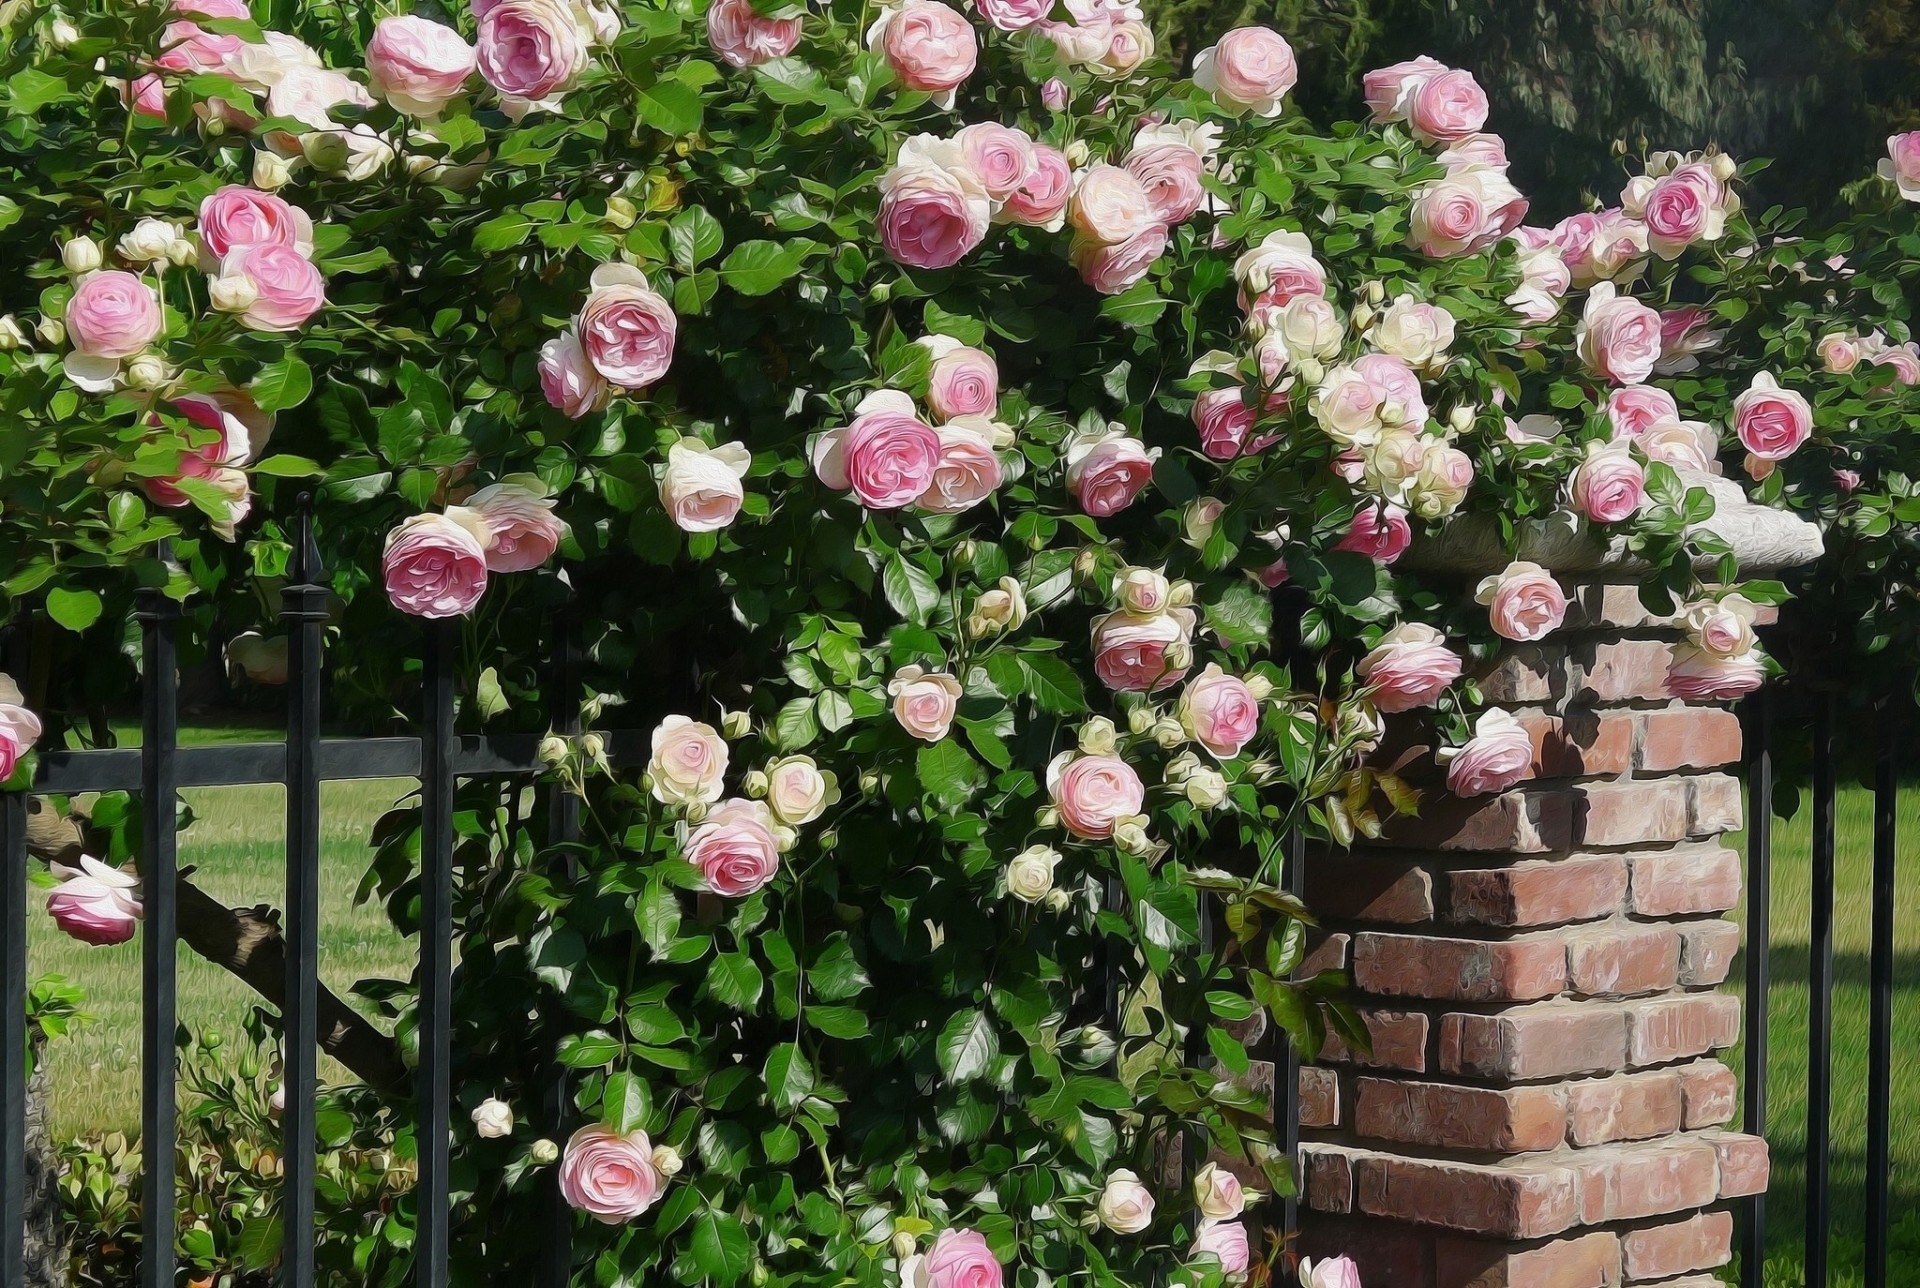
x=1618 y=336
x=189 y=48
x=416 y=65
x=963 y=381
x=745 y=38
x=289 y=290
x=434 y=567
x=1274 y=575
x=236 y=423
x=1846 y=480
x=929 y=218
x=1903 y=358
x=1464 y=213
x=1600 y=246
x=1111 y=269
x=1225 y=1241
x=961 y=1259
x=924 y=701
x=1107 y=473
x=1379 y=531
x=1771 y=422
x=1385 y=86
x=1092 y=793
x=1683 y=444
x=886 y=456
x=1219 y=712
x=1015 y=15
x=1445 y=105
x=1677 y=212
x=929 y=45
x=702 y=486
x=1281 y=269
x=608 y=1176
x=1634 y=409
x=1110 y=205
x=1902 y=165
x=1170 y=173
x=1475 y=150
x=235 y=218
x=146 y=96
x=95 y=903
x=689 y=763
x=1041 y=201
x=968 y=471
x=568 y=379
x=1054 y=95
x=1683 y=334
x=1699 y=675
x=1609 y=485
x=1839 y=353
x=1334 y=1272
x=1410 y=667
x=999 y=156
x=113 y=314
x=19 y=727
x=1224 y=421
x=734 y=848
x=308 y=94
x=1142 y=653
x=531 y=49
x=1395 y=385
x=521 y=530
x=1524 y=602
x=1249 y=70
x=627 y=328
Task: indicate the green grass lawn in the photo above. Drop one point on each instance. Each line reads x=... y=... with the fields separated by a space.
x=1787 y=1045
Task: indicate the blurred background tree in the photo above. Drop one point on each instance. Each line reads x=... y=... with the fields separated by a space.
x=1816 y=84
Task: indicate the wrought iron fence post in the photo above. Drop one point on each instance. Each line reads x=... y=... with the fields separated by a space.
x=1886 y=787
x=1820 y=998
x=158 y=616
x=436 y=955
x=563 y=827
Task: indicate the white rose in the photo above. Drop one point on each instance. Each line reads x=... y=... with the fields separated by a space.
x=1030 y=873
x=689 y=761
x=81 y=255
x=1416 y=332
x=1217 y=1194
x=1125 y=1205
x=797 y=791
x=493 y=1119
x=151 y=239
x=1004 y=608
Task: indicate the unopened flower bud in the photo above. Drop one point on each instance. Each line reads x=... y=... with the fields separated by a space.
x=754 y=784
x=1724 y=167
x=903 y=1244
x=11 y=335
x=880 y=292
x=964 y=553
x=1180 y=594
x=759 y=1275
x=493 y=1119
x=1047 y=817
x=553 y=750
x=593 y=747
x=1097 y=737
x=213 y=126
x=1461 y=418
x=736 y=724
x=1393 y=412
x=148 y=241
x=1362 y=317
x=270 y=171
x=621 y=213
x=232 y=293
x=1259 y=686
x=1168 y=732
x=1058 y=900
x=1086 y=563
x=63 y=33
x=148 y=371
x=1312 y=370
x=81 y=255
x=325 y=150
x=1077 y=153
x=1130 y=835
x=1096 y=1044
x=181 y=252
x=666 y=1160
x=869 y=783
x=52 y=331
x=1140 y=719
x=543 y=1152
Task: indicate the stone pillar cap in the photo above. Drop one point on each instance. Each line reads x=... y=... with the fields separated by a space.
x=1762 y=539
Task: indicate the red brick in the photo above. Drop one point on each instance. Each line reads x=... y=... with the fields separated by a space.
x=1327 y=1177
x=1623 y=960
x=1525 y=1200
x=1551 y=1041
x=1578 y=745
x=1685 y=880
x=1517 y=822
x=1716 y=806
x=1707 y=949
x=1539 y=892
x=1698 y=1243
x=1630 y=1107
x=1471 y=970
x=1631 y=813
x=1743 y=1162
x=1398 y=1038
x=1688 y=738
x=1319 y=1097
x=1628 y=1182
x=1674 y=1028
x=1623 y=671
x=1525 y=673
x=1351 y=887
x=1445 y=1116
x=1386 y=1253
x=1589 y=1261
x=1711 y=1092
x=1324 y=952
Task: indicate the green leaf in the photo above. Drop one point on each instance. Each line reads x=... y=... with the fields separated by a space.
x=260 y=1240
x=1243 y=615
x=948 y=774
x=845 y=1022
x=968 y=1045
x=789 y=1077
x=503 y=231
x=758 y=267
x=626 y=1104
x=720 y=1248
x=74 y=609
x=1052 y=684
x=284 y=466
x=735 y=981
x=587 y=1050
x=910 y=589
x=695 y=237
x=30 y=89
x=671 y=108
x=487 y=693
x=282 y=384
x=658 y=915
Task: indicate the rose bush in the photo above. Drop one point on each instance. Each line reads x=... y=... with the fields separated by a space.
x=977 y=453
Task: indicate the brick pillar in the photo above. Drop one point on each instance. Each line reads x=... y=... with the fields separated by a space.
x=1540 y=974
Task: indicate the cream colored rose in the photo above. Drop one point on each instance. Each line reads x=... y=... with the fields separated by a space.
x=1126 y=1207
x=924 y=701
x=701 y=486
x=1144 y=591
x=1416 y=332
x=1217 y=1194
x=797 y=791
x=1130 y=834
x=689 y=761
x=1004 y=608
x=1030 y=873
x=493 y=1119
x=1098 y=737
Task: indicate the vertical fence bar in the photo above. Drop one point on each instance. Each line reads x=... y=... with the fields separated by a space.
x=303 y=613
x=1753 y=1246
x=436 y=955
x=1286 y=1070
x=1194 y=1144
x=13 y=1038
x=563 y=828
x=1886 y=788
x=158 y=616
x=1820 y=998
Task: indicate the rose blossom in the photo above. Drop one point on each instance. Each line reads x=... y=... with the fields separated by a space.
x=1609 y=485
x=609 y=1176
x=1331 y=1272
x=1014 y=15
x=1385 y=87
x=1634 y=409
x=492 y=1119
x=1723 y=627
x=701 y=486
x=1000 y=156
x=1443 y=106
x=887 y=456
x=1218 y=1194
x=1678 y=211
x=1170 y=173
x=797 y=792
x=1280 y=269
x=1143 y=590
x=1544 y=282
x=924 y=701
x=95 y=903
x=958 y=1259
x=417 y=65
x=1697 y=675
x=1839 y=352
x=746 y=38
x=1125 y=1206
x=1903 y=358
x=1771 y=422
x=1683 y=444
x=1107 y=472
x=1463 y=213
x=1219 y=712
x=569 y=380
x=1226 y=1241
x=1524 y=602
x=531 y=49
x=1410 y=667
x=309 y=94
x=1136 y=653
x=930 y=46
x=1224 y=421
x=1618 y=336
x=288 y=289
x=433 y=567
x=1250 y=69
x=931 y=217
x=1378 y=531
x=689 y=763
x=1487 y=151
x=19 y=727
x=1093 y=792
x=1110 y=204
x=627 y=328
x=1041 y=200
x=968 y=471
x=963 y=381
x=1111 y=269
x=514 y=522
x=233 y=218
x=1400 y=397
x=1413 y=331
x=1029 y=873
x=188 y=47
x=113 y=314
x=1684 y=334
x=734 y=848
x=1902 y=165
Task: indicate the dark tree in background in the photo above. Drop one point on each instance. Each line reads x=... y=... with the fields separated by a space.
x=1816 y=84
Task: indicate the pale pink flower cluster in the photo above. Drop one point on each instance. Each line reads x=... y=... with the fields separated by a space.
x=621 y=342
x=1410 y=667
x=1523 y=601
x=437 y=565
x=1603 y=246
x=930 y=46
x=1841 y=352
x=1609 y=485
x=890 y=458
x=1475 y=204
x=1682 y=201
x=1618 y=337
x=95 y=903
x=924 y=702
x=238 y=430
x=744 y=37
x=19 y=727
x=1649 y=417
x=259 y=249
x=1499 y=754
x=1122 y=215
x=1147 y=643
x=1329 y=1272
x=533 y=51
x=1108 y=469
x=1685 y=333
x=1902 y=166
x=1544 y=276
x=941 y=195
x=1439 y=104
x=418 y=65
x=1094 y=793
x=1721 y=659
x=1250 y=69
x=1109 y=38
